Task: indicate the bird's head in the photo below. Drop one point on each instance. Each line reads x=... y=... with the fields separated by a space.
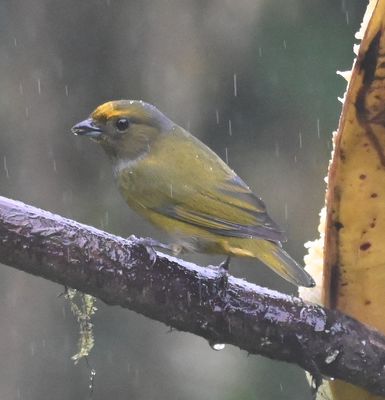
x=124 y=128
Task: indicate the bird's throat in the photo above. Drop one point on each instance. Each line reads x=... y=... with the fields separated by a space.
x=126 y=164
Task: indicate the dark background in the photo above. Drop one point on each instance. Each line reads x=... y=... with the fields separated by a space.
x=58 y=61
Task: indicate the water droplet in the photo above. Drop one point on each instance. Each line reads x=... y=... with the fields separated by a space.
x=332 y=356
x=265 y=341
x=235 y=85
x=5 y=167
x=92 y=379
x=277 y=149
x=32 y=348
x=217 y=346
x=188 y=298
x=318 y=129
x=107 y=218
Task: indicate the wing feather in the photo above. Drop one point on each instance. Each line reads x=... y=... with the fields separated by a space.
x=190 y=183
x=232 y=210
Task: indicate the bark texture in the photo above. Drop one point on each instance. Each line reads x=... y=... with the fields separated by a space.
x=191 y=298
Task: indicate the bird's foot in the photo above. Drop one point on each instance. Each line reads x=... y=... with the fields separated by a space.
x=150 y=245
x=150 y=242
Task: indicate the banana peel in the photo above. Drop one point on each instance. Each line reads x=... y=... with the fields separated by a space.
x=353 y=278
x=354 y=272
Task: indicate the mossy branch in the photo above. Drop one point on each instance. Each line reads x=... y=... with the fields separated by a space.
x=191 y=298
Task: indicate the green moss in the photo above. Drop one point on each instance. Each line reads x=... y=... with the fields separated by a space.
x=83 y=308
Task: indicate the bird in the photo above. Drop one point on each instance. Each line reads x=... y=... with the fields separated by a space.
x=181 y=186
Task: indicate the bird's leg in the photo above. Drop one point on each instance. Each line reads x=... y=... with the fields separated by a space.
x=223 y=272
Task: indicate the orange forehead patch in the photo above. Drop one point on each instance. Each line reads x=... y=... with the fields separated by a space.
x=106 y=111
x=134 y=109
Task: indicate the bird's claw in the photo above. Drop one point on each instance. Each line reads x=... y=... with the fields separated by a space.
x=148 y=243
x=223 y=275
x=225 y=265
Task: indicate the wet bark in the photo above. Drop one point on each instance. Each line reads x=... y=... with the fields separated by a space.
x=191 y=298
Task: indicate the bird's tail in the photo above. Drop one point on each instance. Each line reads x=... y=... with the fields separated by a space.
x=273 y=255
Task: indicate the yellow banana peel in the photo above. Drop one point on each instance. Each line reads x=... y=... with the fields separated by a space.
x=353 y=268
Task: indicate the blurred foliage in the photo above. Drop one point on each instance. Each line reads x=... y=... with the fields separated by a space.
x=59 y=59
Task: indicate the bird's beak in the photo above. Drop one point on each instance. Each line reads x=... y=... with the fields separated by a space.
x=87 y=128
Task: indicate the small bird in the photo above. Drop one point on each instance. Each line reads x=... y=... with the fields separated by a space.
x=181 y=186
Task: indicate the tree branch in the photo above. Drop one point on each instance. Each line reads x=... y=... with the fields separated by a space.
x=191 y=298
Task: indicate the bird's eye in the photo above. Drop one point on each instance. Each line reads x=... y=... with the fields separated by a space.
x=122 y=124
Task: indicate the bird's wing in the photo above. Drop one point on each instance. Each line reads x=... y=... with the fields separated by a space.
x=230 y=210
x=191 y=184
